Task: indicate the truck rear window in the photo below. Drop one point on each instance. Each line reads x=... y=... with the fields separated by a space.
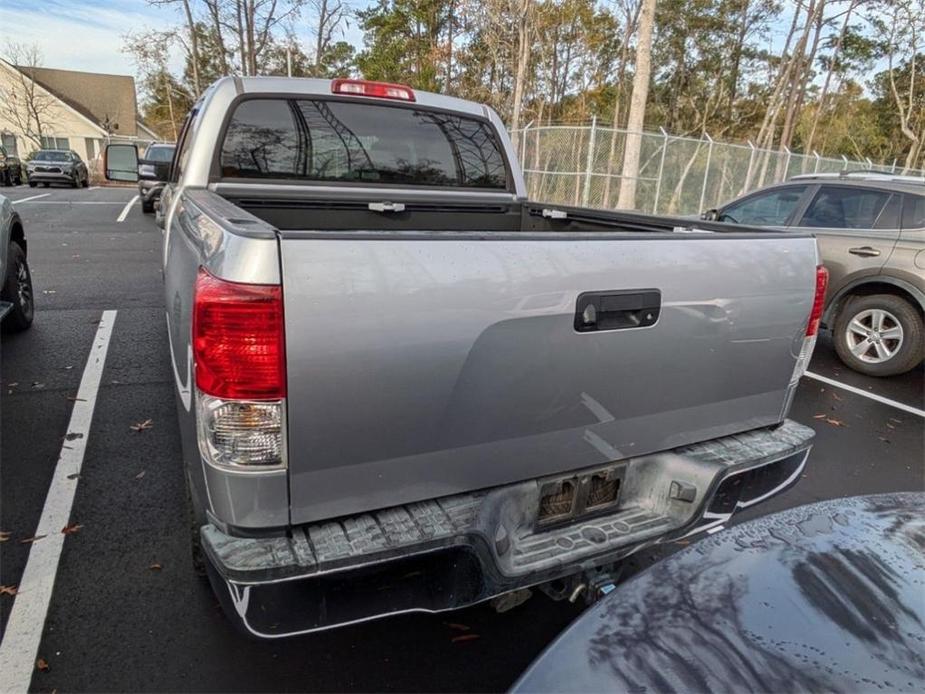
x=340 y=141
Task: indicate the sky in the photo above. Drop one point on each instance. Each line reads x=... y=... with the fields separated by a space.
x=87 y=34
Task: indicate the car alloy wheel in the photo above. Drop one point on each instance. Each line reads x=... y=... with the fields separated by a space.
x=874 y=336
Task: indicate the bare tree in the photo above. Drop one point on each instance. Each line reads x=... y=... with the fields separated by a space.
x=330 y=18
x=25 y=104
x=637 y=112
x=904 y=31
x=193 y=38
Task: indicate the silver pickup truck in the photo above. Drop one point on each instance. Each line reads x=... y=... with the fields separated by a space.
x=404 y=387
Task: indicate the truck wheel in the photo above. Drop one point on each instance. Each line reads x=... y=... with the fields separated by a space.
x=18 y=291
x=147 y=206
x=879 y=335
x=196 y=519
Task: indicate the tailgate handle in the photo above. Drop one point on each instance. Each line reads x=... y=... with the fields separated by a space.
x=617 y=310
x=387 y=206
x=864 y=252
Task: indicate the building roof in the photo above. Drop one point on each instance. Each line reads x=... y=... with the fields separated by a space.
x=107 y=100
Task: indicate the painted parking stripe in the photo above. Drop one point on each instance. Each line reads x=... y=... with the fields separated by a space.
x=20 y=644
x=34 y=197
x=128 y=206
x=863 y=393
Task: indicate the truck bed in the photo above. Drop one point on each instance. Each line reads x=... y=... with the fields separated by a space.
x=437 y=350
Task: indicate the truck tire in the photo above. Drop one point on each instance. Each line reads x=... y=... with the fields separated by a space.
x=879 y=335
x=18 y=291
x=196 y=519
x=147 y=206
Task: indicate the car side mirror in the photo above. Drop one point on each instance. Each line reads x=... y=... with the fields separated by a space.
x=121 y=163
x=149 y=170
x=711 y=215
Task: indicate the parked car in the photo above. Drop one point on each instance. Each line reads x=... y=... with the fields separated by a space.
x=403 y=387
x=871 y=233
x=16 y=298
x=821 y=598
x=57 y=166
x=150 y=190
x=10 y=169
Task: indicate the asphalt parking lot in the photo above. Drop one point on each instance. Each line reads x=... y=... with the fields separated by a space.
x=127 y=611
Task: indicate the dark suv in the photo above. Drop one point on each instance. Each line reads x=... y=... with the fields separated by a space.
x=870 y=228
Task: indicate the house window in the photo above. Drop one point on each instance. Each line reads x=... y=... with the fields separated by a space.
x=8 y=140
x=56 y=143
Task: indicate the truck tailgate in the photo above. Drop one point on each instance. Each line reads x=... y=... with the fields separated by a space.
x=426 y=365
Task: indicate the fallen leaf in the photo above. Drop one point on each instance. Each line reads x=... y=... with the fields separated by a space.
x=890 y=426
x=155 y=567
x=49 y=291
x=819 y=416
x=892 y=419
x=835 y=395
x=68 y=368
x=13 y=384
x=140 y=475
x=4 y=535
x=74 y=476
x=141 y=426
x=883 y=439
x=8 y=590
x=464 y=637
x=34 y=538
x=835 y=422
x=71 y=529
x=41 y=665
x=70 y=436
x=457 y=627
x=37 y=385
x=74 y=398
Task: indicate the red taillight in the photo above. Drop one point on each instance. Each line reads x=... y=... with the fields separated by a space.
x=815 y=316
x=238 y=343
x=383 y=90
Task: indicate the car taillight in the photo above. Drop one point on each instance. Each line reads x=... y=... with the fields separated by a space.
x=239 y=356
x=238 y=343
x=383 y=90
x=809 y=338
x=815 y=316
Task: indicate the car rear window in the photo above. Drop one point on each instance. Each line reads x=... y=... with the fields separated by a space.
x=914 y=212
x=159 y=154
x=339 y=141
x=845 y=208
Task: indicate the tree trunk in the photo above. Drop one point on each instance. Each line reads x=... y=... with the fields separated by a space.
x=637 y=112
x=194 y=46
x=523 y=57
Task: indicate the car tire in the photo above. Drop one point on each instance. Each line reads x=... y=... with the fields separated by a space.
x=18 y=291
x=32 y=184
x=859 y=325
x=45 y=185
x=147 y=206
x=86 y=181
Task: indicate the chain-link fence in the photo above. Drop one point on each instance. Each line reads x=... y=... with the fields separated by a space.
x=581 y=165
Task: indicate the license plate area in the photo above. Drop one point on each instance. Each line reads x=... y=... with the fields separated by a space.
x=583 y=495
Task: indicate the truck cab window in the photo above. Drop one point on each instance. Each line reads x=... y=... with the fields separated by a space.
x=347 y=142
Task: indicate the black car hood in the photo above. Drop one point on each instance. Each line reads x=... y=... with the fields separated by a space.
x=826 y=597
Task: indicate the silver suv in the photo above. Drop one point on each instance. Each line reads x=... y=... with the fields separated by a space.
x=870 y=228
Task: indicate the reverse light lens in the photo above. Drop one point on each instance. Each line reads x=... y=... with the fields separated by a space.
x=238 y=342
x=241 y=433
x=382 y=90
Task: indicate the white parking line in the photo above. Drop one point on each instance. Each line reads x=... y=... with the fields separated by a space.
x=34 y=197
x=128 y=206
x=872 y=396
x=24 y=628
